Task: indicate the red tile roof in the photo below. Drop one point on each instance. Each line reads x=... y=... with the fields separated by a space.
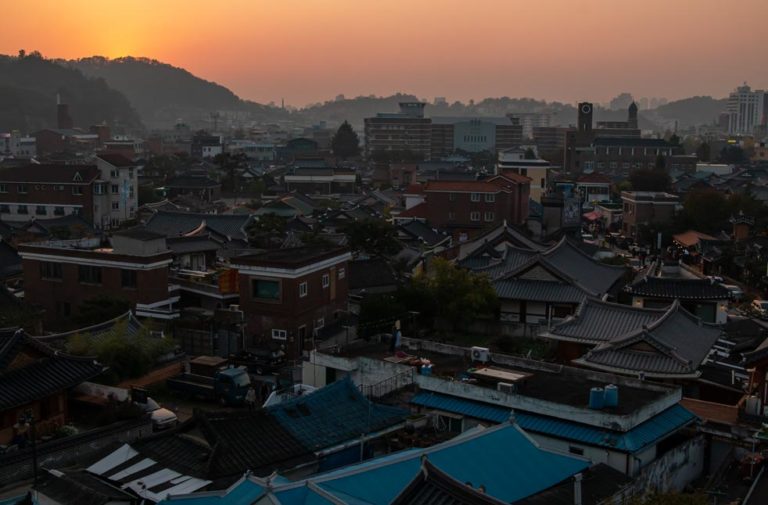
x=117 y=160
x=414 y=189
x=50 y=173
x=463 y=186
x=594 y=178
x=418 y=211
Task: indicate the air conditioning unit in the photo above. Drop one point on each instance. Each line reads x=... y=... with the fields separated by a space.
x=505 y=387
x=234 y=307
x=481 y=354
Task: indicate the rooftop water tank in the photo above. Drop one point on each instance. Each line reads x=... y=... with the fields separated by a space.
x=611 y=395
x=596 y=398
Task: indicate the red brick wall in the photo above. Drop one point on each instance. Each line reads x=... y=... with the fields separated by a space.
x=151 y=286
x=512 y=207
x=46 y=194
x=291 y=311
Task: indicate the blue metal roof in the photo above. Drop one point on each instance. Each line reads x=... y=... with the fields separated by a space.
x=334 y=414
x=636 y=439
x=502 y=458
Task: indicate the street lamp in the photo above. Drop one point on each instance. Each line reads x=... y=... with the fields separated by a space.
x=28 y=418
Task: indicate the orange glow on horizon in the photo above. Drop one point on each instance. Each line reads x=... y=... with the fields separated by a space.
x=311 y=50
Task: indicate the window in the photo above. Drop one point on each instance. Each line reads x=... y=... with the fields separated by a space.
x=474 y=197
x=99 y=189
x=50 y=271
x=5 y=209
x=40 y=210
x=58 y=211
x=22 y=209
x=474 y=216
x=115 y=205
x=320 y=323
x=265 y=290
x=77 y=190
x=576 y=450
x=326 y=280
x=342 y=273
x=3 y=188
x=115 y=189
x=490 y=197
x=451 y=196
x=21 y=188
x=89 y=274
x=451 y=216
x=302 y=289
x=114 y=174
x=279 y=334
x=489 y=216
x=128 y=278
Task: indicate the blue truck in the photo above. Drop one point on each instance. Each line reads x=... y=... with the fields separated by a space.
x=227 y=386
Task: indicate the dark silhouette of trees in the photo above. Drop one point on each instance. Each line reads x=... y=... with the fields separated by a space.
x=650 y=180
x=703 y=152
x=732 y=154
x=373 y=237
x=345 y=143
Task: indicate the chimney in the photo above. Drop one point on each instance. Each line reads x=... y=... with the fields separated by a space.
x=63 y=119
x=577 y=489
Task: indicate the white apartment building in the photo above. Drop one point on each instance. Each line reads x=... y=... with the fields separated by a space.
x=746 y=109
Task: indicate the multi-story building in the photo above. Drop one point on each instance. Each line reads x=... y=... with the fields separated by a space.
x=407 y=130
x=466 y=207
x=537 y=170
x=549 y=139
x=289 y=295
x=746 y=110
x=15 y=145
x=104 y=194
x=133 y=266
x=206 y=146
x=646 y=207
x=450 y=134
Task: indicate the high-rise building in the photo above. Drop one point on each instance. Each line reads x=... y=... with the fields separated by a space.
x=407 y=130
x=746 y=110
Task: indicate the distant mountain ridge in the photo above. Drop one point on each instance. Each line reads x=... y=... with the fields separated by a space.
x=30 y=83
x=162 y=93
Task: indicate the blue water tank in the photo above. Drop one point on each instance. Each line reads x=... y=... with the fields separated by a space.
x=611 y=395
x=596 y=398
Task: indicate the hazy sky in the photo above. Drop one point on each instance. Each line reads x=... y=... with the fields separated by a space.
x=312 y=50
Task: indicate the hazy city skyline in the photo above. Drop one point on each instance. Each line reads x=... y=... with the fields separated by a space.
x=312 y=50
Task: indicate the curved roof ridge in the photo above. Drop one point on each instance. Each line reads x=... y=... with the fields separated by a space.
x=599 y=301
x=127 y=315
x=568 y=242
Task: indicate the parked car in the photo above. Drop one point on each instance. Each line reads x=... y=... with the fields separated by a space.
x=735 y=291
x=210 y=378
x=759 y=308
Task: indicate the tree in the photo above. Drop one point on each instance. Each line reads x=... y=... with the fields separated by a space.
x=345 y=142
x=650 y=180
x=127 y=356
x=529 y=154
x=674 y=139
x=266 y=229
x=732 y=154
x=460 y=296
x=99 y=309
x=373 y=237
x=703 y=152
x=661 y=162
x=705 y=210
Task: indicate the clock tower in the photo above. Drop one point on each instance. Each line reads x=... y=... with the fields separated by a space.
x=585 y=117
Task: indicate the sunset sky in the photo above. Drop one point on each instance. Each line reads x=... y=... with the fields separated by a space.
x=312 y=50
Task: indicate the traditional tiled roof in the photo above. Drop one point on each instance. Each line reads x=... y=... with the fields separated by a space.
x=417 y=211
x=116 y=160
x=334 y=414
x=256 y=441
x=597 y=277
x=670 y=288
x=503 y=234
x=42 y=373
x=423 y=232
x=175 y=224
x=199 y=243
x=131 y=327
x=544 y=291
x=599 y=483
x=371 y=273
x=674 y=345
x=596 y=321
x=187 y=182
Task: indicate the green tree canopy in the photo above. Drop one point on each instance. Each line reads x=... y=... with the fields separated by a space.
x=100 y=309
x=703 y=152
x=460 y=296
x=732 y=154
x=345 y=143
x=373 y=237
x=529 y=154
x=650 y=180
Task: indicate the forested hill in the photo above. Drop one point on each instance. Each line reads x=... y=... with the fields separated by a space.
x=162 y=93
x=28 y=88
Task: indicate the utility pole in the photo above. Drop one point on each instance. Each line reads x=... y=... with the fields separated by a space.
x=29 y=418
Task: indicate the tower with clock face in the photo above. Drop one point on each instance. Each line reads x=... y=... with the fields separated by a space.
x=585 y=117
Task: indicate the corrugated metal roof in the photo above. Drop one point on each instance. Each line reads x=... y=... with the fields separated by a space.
x=639 y=437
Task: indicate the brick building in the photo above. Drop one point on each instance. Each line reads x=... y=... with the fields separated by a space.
x=288 y=295
x=104 y=194
x=646 y=207
x=407 y=130
x=60 y=275
x=465 y=207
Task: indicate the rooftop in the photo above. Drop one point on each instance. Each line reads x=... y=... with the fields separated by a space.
x=51 y=174
x=291 y=257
